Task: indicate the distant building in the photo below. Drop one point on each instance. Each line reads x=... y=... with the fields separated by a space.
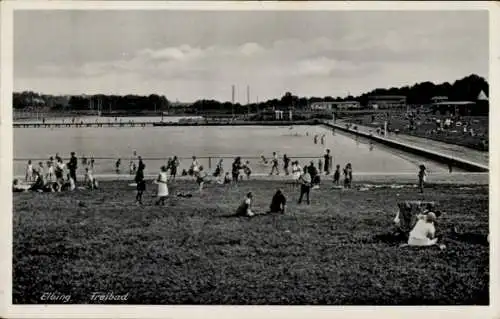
x=386 y=101
x=322 y=106
x=180 y=104
x=328 y=106
x=437 y=99
x=454 y=107
x=347 y=105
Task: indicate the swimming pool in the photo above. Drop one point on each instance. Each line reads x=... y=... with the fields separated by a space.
x=208 y=143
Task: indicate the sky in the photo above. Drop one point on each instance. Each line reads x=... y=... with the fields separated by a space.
x=190 y=55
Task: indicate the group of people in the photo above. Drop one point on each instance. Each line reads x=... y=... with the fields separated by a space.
x=58 y=176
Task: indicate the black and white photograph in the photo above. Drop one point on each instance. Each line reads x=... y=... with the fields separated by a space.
x=268 y=157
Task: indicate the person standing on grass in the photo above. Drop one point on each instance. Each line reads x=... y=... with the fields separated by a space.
x=219 y=171
x=313 y=172
x=245 y=208
x=117 y=166
x=328 y=162
x=40 y=169
x=50 y=171
x=286 y=163
x=162 y=186
x=72 y=166
x=305 y=187
x=422 y=176
x=236 y=167
x=141 y=184
x=59 y=171
x=195 y=165
x=278 y=203
x=275 y=165
x=296 y=172
x=347 y=174
x=29 y=172
x=336 y=176
x=58 y=158
x=173 y=167
x=140 y=164
x=247 y=169
x=132 y=168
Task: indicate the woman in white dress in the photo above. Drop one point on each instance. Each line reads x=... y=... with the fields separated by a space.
x=162 y=186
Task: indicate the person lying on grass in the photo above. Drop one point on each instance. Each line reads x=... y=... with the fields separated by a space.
x=16 y=187
x=278 y=203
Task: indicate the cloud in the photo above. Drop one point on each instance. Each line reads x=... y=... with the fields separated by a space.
x=318 y=65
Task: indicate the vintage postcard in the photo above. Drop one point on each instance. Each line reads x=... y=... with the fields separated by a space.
x=185 y=158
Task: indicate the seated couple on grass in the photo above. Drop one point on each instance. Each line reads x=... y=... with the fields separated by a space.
x=418 y=222
x=278 y=205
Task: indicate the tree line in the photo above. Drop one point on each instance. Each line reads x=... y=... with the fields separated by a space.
x=465 y=89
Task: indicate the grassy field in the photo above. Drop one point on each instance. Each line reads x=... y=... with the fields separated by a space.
x=332 y=252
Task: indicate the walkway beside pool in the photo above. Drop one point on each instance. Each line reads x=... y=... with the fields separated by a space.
x=358 y=178
x=432 y=145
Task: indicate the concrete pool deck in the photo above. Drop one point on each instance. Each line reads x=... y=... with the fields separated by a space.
x=444 y=152
x=458 y=178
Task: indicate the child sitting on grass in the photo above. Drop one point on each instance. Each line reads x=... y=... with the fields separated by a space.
x=89 y=181
x=227 y=178
x=245 y=207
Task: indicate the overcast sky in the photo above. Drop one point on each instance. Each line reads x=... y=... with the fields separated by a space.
x=190 y=55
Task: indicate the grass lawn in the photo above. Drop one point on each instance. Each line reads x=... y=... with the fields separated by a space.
x=188 y=252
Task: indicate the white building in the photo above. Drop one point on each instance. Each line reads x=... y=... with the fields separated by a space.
x=328 y=106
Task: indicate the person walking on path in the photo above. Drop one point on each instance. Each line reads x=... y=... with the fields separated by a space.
x=305 y=187
x=162 y=186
